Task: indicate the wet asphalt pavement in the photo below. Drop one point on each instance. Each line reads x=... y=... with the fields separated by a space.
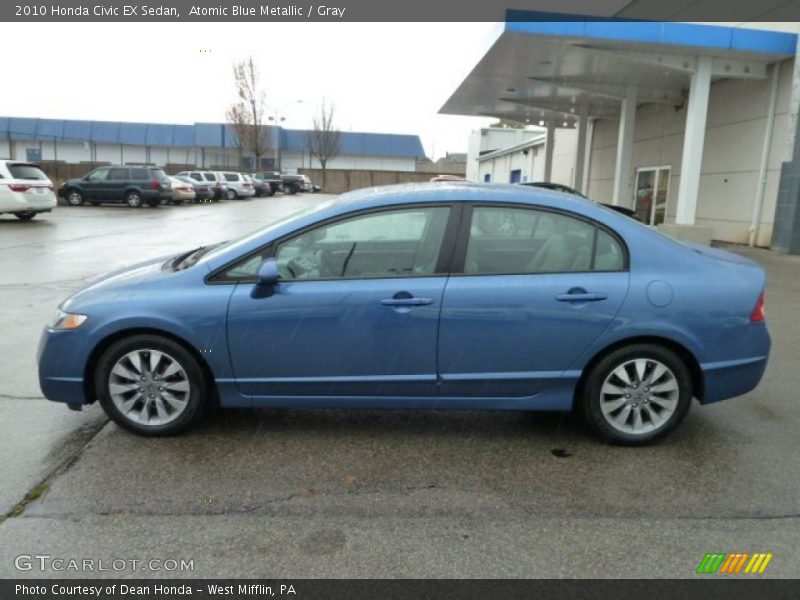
x=279 y=493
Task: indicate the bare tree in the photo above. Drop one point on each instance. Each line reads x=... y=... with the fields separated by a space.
x=247 y=115
x=325 y=141
x=236 y=116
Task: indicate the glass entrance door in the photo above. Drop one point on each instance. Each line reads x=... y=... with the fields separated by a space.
x=652 y=191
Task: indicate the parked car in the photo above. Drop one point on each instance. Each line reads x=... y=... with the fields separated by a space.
x=261 y=186
x=292 y=183
x=213 y=178
x=181 y=191
x=560 y=187
x=308 y=186
x=581 y=309
x=273 y=178
x=238 y=186
x=133 y=185
x=25 y=190
x=203 y=190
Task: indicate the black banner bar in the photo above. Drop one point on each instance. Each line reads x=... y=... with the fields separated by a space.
x=479 y=589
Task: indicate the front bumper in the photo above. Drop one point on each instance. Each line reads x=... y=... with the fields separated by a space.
x=62 y=357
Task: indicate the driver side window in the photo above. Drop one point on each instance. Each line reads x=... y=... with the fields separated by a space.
x=392 y=243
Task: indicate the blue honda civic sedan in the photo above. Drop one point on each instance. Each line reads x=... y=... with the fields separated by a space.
x=434 y=296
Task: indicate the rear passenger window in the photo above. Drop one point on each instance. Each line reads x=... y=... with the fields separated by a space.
x=521 y=240
x=608 y=255
x=140 y=175
x=196 y=176
x=118 y=174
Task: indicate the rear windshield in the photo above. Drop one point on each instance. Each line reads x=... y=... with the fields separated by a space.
x=22 y=171
x=160 y=174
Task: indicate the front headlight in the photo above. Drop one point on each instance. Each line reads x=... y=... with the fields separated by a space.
x=66 y=320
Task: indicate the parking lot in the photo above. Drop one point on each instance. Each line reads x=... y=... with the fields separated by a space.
x=280 y=493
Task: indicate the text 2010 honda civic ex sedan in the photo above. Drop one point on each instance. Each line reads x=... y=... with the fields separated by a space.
x=445 y=296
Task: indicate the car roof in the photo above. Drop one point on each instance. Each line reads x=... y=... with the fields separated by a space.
x=448 y=191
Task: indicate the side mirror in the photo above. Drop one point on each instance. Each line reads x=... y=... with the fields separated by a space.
x=268 y=273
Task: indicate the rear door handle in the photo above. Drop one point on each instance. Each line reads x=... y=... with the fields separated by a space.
x=582 y=297
x=406 y=301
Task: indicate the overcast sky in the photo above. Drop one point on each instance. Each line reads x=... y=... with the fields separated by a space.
x=390 y=78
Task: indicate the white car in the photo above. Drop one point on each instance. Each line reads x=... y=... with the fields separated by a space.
x=239 y=186
x=25 y=190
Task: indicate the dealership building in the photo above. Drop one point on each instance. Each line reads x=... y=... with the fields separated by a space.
x=200 y=144
x=694 y=126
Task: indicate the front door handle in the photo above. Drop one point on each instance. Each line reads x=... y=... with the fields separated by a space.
x=581 y=297
x=406 y=301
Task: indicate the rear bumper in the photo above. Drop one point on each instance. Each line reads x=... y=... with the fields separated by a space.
x=736 y=377
x=19 y=202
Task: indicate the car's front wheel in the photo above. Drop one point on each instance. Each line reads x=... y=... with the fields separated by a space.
x=150 y=385
x=637 y=394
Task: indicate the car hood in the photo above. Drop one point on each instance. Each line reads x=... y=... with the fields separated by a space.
x=137 y=276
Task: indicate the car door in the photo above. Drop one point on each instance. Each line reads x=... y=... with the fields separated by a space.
x=355 y=313
x=117 y=182
x=536 y=288
x=93 y=184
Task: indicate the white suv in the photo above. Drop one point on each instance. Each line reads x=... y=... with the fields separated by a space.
x=239 y=186
x=25 y=190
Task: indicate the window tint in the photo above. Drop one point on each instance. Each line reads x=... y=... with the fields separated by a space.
x=99 y=175
x=210 y=176
x=118 y=174
x=521 y=240
x=22 y=171
x=231 y=176
x=140 y=174
x=397 y=243
x=197 y=176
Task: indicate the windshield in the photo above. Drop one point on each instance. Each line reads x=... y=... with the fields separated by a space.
x=275 y=225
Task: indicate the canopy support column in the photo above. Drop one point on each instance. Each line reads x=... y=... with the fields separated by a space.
x=580 y=149
x=692 y=159
x=622 y=167
x=550 y=141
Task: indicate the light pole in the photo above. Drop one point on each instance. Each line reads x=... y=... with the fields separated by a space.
x=277 y=118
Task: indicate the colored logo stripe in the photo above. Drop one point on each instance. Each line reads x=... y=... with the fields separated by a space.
x=733 y=563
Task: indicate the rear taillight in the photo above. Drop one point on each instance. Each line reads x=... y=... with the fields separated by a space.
x=18 y=187
x=219 y=184
x=155 y=185
x=758 y=311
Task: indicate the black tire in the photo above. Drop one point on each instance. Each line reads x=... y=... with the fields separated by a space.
x=74 y=197
x=133 y=199
x=25 y=216
x=591 y=396
x=231 y=194
x=196 y=399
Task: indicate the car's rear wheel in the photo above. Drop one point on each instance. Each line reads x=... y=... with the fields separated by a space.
x=25 y=216
x=74 y=198
x=230 y=195
x=133 y=199
x=637 y=394
x=150 y=385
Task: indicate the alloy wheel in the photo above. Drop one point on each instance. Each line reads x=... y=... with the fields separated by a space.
x=149 y=387
x=639 y=396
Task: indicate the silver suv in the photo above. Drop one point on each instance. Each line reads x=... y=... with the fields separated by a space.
x=239 y=185
x=212 y=178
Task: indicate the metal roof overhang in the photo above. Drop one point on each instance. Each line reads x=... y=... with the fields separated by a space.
x=544 y=72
